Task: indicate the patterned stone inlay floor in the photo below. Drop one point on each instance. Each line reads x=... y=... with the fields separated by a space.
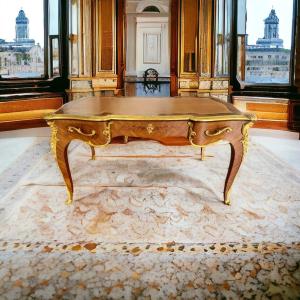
x=271 y=272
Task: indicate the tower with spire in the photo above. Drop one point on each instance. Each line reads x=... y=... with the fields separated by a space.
x=22 y=42
x=22 y=26
x=267 y=61
x=271 y=36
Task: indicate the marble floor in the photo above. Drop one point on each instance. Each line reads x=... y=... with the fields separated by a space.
x=285 y=145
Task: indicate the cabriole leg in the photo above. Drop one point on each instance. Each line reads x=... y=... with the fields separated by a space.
x=237 y=153
x=93 y=153
x=63 y=164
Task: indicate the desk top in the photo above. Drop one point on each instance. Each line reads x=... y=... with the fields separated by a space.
x=142 y=108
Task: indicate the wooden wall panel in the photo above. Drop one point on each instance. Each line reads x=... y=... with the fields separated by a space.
x=189 y=35
x=22 y=124
x=269 y=124
x=27 y=113
x=120 y=45
x=204 y=38
x=106 y=34
x=95 y=36
x=30 y=104
x=174 y=47
x=267 y=107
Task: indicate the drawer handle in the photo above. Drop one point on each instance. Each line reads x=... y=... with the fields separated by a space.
x=192 y=134
x=78 y=130
x=218 y=132
x=150 y=128
x=107 y=133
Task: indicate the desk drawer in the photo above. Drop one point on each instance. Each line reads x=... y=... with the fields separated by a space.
x=92 y=132
x=211 y=132
x=150 y=129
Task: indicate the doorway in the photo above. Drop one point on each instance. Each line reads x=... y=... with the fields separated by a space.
x=147 y=47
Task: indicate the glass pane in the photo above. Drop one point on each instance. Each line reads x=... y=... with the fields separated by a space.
x=223 y=37
x=73 y=28
x=190 y=30
x=53 y=17
x=219 y=38
x=21 y=39
x=227 y=37
x=265 y=41
x=55 y=55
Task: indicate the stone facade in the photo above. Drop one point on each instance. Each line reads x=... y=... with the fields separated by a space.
x=267 y=65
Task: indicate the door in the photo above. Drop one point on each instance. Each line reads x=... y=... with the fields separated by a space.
x=152 y=45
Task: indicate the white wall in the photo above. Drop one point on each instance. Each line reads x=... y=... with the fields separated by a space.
x=152 y=45
x=134 y=10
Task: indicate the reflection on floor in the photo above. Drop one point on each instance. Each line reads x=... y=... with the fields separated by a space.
x=150 y=89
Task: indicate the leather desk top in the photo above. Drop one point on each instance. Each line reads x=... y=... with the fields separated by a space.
x=141 y=108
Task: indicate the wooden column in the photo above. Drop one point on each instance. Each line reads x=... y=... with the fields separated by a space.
x=120 y=45
x=174 y=47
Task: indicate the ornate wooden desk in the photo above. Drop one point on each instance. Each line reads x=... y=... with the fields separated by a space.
x=171 y=121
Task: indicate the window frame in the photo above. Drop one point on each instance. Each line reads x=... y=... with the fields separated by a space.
x=45 y=83
x=263 y=89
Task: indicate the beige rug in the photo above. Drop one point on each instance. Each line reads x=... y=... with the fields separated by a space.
x=144 y=192
x=148 y=222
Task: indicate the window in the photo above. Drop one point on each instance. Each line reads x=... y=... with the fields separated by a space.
x=22 y=39
x=266 y=32
x=151 y=8
x=222 y=37
x=30 y=41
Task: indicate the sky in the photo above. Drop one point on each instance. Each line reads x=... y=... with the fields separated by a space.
x=33 y=9
x=258 y=10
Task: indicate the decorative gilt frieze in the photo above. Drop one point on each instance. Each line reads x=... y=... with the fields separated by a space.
x=107 y=133
x=218 y=132
x=245 y=132
x=220 y=85
x=104 y=82
x=81 y=84
x=204 y=84
x=188 y=84
x=79 y=131
x=53 y=140
x=150 y=129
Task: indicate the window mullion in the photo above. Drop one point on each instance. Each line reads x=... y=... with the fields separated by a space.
x=46 y=39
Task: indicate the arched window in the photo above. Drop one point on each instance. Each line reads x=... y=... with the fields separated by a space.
x=151 y=8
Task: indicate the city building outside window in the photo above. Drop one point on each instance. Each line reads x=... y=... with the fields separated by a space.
x=22 y=39
x=267 y=33
x=30 y=40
